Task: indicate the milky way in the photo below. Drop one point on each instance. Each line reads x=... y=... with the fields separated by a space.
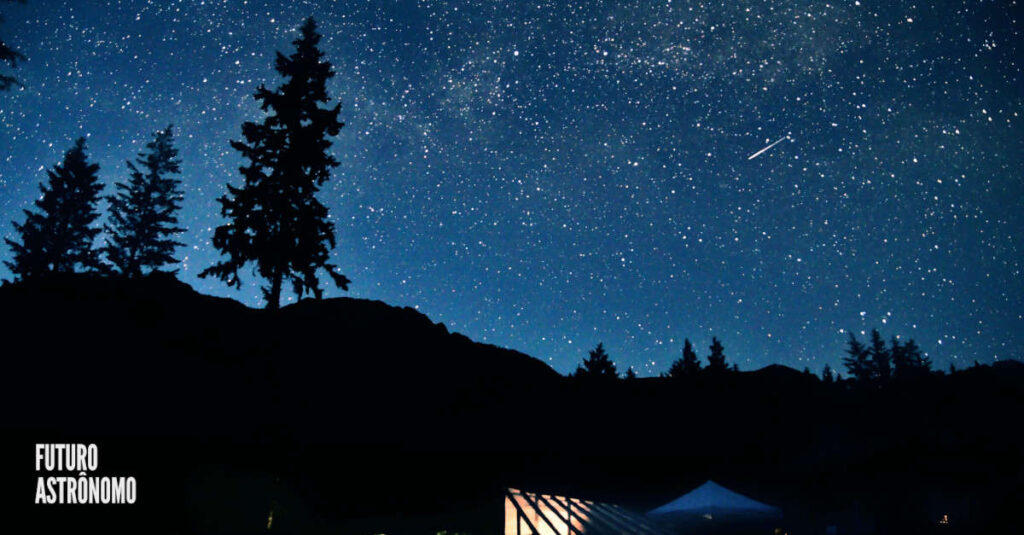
x=547 y=175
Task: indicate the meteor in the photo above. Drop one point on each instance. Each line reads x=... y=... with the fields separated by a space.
x=760 y=152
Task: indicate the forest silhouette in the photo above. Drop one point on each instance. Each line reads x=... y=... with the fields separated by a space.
x=357 y=415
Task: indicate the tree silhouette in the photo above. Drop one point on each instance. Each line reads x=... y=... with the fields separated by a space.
x=275 y=219
x=881 y=363
x=58 y=236
x=858 y=365
x=716 y=360
x=919 y=365
x=597 y=365
x=11 y=57
x=630 y=374
x=686 y=366
x=143 y=211
x=908 y=362
x=827 y=375
x=900 y=366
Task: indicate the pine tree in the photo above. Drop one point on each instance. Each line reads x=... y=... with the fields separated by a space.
x=686 y=366
x=675 y=370
x=143 y=211
x=58 y=236
x=597 y=365
x=908 y=363
x=275 y=219
x=691 y=364
x=716 y=360
x=11 y=57
x=881 y=363
x=857 y=363
x=826 y=375
x=630 y=374
x=900 y=364
x=918 y=364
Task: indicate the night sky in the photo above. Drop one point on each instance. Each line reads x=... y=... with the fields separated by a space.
x=546 y=175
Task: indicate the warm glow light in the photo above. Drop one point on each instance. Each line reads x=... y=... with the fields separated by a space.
x=548 y=516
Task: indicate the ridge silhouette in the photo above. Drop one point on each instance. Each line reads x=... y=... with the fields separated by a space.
x=358 y=416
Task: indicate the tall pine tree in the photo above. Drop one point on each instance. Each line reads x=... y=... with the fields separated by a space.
x=716 y=360
x=686 y=366
x=858 y=363
x=275 y=219
x=597 y=365
x=143 y=212
x=920 y=365
x=899 y=358
x=908 y=362
x=827 y=376
x=881 y=358
x=58 y=236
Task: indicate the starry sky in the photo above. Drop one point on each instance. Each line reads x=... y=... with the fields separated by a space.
x=544 y=175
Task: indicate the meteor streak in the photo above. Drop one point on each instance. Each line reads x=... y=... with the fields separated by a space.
x=760 y=152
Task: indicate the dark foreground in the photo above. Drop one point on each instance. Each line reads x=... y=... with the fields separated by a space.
x=349 y=416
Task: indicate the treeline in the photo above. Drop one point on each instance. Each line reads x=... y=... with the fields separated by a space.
x=598 y=365
x=274 y=219
x=873 y=364
x=879 y=364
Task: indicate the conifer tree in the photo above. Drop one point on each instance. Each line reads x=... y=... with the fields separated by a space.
x=900 y=364
x=908 y=362
x=691 y=364
x=57 y=237
x=826 y=375
x=11 y=57
x=686 y=366
x=716 y=360
x=275 y=218
x=143 y=212
x=630 y=374
x=881 y=363
x=597 y=365
x=858 y=365
x=919 y=365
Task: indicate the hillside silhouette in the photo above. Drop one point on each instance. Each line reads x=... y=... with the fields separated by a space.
x=353 y=415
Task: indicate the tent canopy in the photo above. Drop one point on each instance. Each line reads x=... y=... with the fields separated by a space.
x=712 y=498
